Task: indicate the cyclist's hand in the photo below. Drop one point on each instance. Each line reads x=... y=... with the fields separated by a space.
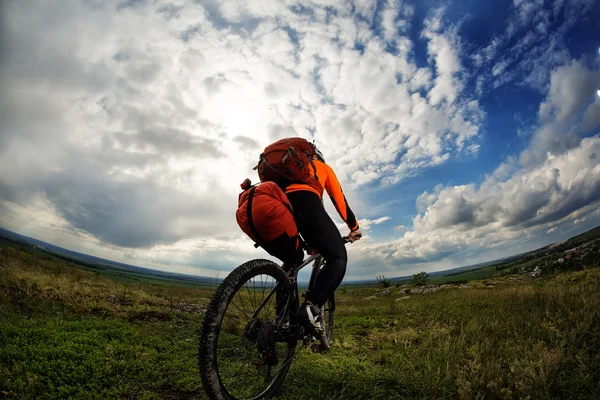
x=354 y=235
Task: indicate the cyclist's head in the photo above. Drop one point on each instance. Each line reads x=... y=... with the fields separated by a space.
x=319 y=155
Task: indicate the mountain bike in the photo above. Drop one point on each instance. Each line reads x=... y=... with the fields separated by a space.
x=250 y=333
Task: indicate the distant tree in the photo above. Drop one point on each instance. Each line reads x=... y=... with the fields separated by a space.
x=383 y=281
x=420 y=279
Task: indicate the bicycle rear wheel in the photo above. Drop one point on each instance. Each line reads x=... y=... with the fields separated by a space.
x=245 y=349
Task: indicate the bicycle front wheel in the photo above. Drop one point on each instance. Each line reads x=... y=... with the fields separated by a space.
x=328 y=308
x=327 y=318
x=246 y=346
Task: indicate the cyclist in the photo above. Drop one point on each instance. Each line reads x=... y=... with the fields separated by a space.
x=321 y=233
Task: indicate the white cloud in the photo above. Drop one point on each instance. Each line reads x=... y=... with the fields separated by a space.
x=153 y=113
x=127 y=127
x=395 y=16
x=459 y=222
x=571 y=86
x=555 y=183
x=531 y=44
x=426 y=199
x=571 y=89
x=591 y=118
x=401 y=228
x=366 y=8
x=444 y=48
x=365 y=224
x=500 y=67
x=505 y=169
x=473 y=149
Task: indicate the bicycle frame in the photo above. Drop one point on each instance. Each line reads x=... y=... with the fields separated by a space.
x=293 y=276
x=293 y=296
x=264 y=338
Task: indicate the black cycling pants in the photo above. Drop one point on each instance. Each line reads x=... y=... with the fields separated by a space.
x=319 y=231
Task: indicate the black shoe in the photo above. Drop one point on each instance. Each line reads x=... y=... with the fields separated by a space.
x=309 y=316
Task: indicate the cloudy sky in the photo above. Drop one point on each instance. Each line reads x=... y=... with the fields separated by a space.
x=461 y=131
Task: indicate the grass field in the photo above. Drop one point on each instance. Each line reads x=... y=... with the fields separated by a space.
x=480 y=273
x=70 y=333
x=113 y=271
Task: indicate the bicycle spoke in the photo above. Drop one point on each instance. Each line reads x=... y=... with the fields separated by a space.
x=242 y=302
x=289 y=360
x=282 y=319
x=247 y=341
x=239 y=309
x=249 y=296
x=256 y=289
x=265 y=315
x=239 y=370
x=275 y=302
x=263 y=296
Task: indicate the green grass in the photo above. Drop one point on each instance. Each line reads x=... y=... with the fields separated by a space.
x=510 y=341
x=71 y=333
x=90 y=357
x=481 y=273
x=584 y=237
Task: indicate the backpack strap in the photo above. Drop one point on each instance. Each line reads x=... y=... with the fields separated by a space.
x=265 y=162
x=296 y=157
x=312 y=164
x=287 y=154
x=250 y=220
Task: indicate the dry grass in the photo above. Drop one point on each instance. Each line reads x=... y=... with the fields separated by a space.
x=26 y=278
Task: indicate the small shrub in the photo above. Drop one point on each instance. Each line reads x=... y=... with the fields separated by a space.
x=383 y=281
x=419 y=279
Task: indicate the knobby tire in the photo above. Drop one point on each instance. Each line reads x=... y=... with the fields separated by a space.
x=212 y=324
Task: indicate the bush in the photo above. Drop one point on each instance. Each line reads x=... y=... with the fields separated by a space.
x=419 y=279
x=383 y=281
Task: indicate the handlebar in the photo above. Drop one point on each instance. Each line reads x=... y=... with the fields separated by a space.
x=347 y=240
x=310 y=250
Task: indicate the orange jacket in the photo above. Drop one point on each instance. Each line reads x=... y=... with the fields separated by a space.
x=326 y=177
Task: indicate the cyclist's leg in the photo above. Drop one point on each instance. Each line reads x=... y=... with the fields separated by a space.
x=285 y=248
x=288 y=250
x=320 y=232
x=279 y=296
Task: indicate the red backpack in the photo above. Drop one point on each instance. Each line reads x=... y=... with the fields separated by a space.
x=288 y=161
x=265 y=214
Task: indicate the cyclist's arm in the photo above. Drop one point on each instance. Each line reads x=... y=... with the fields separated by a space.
x=334 y=190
